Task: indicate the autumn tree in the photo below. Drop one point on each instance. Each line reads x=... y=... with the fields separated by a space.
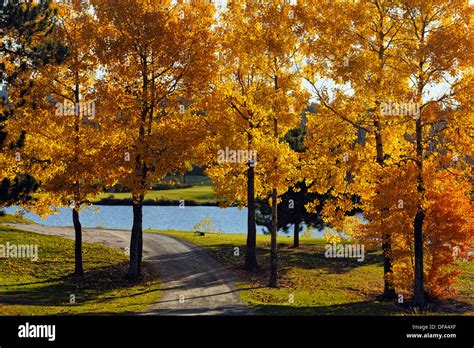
x=157 y=57
x=351 y=69
x=26 y=43
x=437 y=51
x=447 y=235
x=390 y=58
x=257 y=101
x=69 y=145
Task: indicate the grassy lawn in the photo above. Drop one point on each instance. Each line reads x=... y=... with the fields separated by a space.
x=199 y=194
x=14 y=219
x=313 y=284
x=195 y=180
x=44 y=287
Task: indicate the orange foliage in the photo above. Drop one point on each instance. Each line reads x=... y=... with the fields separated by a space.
x=448 y=231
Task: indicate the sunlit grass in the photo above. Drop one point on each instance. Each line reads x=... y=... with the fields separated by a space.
x=45 y=287
x=14 y=219
x=199 y=194
x=310 y=283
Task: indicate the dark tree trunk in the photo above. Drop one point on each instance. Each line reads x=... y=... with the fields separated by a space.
x=141 y=173
x=136 y=241
x=78 y=269
x=250 y=253
x=274 y=246
x=389 y=290
x=296 y=232
x=418 y=289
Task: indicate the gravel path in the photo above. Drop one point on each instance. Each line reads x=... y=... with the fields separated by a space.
x=192 y=282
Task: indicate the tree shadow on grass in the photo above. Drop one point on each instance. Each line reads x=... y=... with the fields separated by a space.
x=364 y=308
x=294 y=258
x=315 y=260
x=91 y=287
x=52 y=280
x=312 y=260
x=353 y=308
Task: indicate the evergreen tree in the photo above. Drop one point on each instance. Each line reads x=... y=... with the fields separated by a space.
x=25 y=46
x=291 y=209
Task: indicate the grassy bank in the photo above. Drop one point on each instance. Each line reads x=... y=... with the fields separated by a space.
x=313 y=284
x=14 y=219
x=45 y=287
x=197 y=195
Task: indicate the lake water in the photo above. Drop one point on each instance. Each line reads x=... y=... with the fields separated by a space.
x=224 y=220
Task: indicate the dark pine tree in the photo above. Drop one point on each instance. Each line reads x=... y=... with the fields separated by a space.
x=25 y=28
x=291 y=210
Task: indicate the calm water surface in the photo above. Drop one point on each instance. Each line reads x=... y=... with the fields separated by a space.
x=224 y=220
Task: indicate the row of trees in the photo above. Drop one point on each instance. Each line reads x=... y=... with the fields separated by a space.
x=176 y=82
x=396 y=51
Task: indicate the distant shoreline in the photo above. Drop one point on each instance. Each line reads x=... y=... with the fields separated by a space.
x=153 y=202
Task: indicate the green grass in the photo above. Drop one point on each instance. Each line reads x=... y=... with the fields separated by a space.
x=312 y=284
x=44 y=287
x=195 y=180
x=14 y=219
x=199 y=194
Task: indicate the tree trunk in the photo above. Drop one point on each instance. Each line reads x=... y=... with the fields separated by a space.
x=141 y=172
x=250 y=253
x=78 y=269
x=389 y=290
x=296 y=232
x=136 y=241
x=274 y=246
x=418 y=289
